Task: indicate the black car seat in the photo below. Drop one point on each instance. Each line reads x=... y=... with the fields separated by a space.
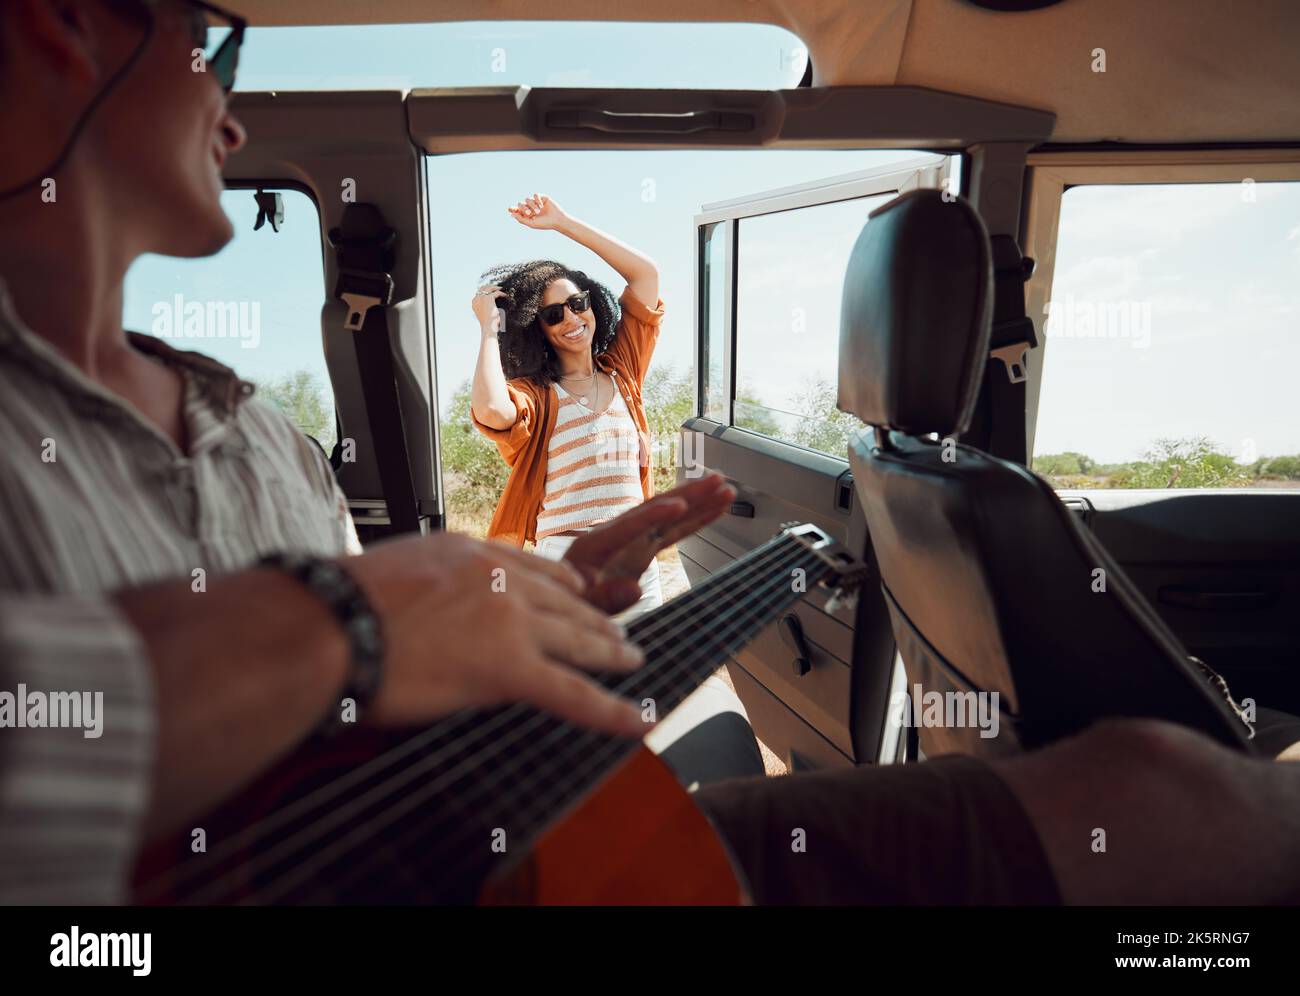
x=992 y=585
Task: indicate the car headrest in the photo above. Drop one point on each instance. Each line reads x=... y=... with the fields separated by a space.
x=916 y=315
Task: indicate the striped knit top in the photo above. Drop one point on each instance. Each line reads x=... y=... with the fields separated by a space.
x=593 y=466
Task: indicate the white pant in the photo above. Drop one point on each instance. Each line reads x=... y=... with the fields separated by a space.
x=652 y=596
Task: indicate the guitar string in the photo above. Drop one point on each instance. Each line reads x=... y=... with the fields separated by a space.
x=280 y=887
x=576 y=777
x=362 y=831
x=655 y=626
x=391 y=813
x=534 y=818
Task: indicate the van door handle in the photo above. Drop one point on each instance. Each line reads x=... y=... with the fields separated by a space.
x=742 y=508
x=651 y=123
x=792 y=633
x=1194 y=598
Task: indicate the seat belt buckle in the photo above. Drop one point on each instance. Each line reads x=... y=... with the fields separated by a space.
x=1023 y=338
x=1013 y=358
x=362 y=290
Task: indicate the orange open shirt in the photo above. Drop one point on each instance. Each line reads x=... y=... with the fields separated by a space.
x=523 y=446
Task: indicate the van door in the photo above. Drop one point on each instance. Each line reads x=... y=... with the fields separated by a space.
x=769 y=277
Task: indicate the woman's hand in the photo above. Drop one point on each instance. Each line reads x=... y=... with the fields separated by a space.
x=486 y=310
x=613 y=555
x=539 y=212
x=638 y=269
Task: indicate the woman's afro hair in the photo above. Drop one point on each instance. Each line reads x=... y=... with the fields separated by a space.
x=525 y=350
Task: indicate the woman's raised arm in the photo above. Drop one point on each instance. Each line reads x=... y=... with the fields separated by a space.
x=639 y=270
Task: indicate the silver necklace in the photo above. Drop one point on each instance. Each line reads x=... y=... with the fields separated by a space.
x=582 y=398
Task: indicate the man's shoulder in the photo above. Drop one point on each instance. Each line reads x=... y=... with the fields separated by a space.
x=191 y=360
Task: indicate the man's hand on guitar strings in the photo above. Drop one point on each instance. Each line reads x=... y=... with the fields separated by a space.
x=474 y=623
x=612 y=556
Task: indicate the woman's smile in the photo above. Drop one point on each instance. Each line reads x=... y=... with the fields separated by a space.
x=575 y=334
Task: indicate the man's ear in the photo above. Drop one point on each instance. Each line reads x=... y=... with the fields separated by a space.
x=64 y=31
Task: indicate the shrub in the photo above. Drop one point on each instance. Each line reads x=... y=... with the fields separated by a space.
x=1286 y=468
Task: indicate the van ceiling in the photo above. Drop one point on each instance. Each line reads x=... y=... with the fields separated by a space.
x=1185 y=71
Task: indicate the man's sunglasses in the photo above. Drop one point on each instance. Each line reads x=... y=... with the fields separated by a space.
x=553 y=314
x=219 y=33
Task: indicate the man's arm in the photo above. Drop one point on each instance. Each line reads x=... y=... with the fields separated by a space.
x=242 y=672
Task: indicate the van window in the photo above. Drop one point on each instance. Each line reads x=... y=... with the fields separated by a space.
x=255 y=306
x=789 y=282
x=784 y=269
x=514 y=53
x=1170 y=348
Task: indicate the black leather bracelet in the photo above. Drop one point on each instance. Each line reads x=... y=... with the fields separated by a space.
x=332 y=584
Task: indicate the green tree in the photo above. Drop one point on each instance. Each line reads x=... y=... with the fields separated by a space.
x=752 y=413
x=823 y=427
x=1189 y=462
x=474 y=474
x=669 y=400
x=1286 y=468
x=306 y=402
x=1063 y=464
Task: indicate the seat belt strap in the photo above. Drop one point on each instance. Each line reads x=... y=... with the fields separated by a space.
x=363 y=245
x=1012 y=337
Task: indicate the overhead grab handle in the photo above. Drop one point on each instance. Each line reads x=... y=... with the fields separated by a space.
x=650 y=122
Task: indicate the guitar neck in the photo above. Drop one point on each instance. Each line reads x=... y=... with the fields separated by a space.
x=684 y=641
x=687 y=639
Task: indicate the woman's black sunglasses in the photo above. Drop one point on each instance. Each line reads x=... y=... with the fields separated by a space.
x=553 y=314
x=219 y=33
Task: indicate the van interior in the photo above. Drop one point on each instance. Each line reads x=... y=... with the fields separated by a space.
x=999 y=296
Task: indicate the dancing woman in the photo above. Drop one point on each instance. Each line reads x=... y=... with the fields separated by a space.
x=558 y=386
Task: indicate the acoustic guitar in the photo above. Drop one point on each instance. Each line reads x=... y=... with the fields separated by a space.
x=504 y=805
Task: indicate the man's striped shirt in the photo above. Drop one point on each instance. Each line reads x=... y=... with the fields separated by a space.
x=94 y=498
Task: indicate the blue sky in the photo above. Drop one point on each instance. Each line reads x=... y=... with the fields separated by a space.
x=1221 y=275
x=536 y=53
x=1216 y=272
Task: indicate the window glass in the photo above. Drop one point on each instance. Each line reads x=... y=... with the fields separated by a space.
x=255 y=306
x=790 y=269
x=511 y=53
x=1171 y=348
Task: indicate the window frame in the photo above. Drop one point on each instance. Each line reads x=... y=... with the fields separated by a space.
x=1049 y=174
x=925 y=170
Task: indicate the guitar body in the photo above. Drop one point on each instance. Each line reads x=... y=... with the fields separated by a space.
x=638 y=839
